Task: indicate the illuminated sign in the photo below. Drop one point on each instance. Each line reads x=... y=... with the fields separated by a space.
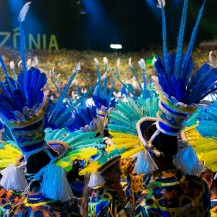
x=38 y=42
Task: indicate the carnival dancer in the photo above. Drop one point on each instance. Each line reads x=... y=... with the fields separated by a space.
x=104 y=198
x=175 y=189
x=23 y=106
x=180 y=92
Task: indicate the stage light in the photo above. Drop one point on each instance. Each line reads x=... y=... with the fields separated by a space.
x=116 y=46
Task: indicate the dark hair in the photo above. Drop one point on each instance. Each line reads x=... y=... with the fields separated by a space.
x=35 y=163
x=39 y=160
x=111 y=167
x=166 y=144
x=73 y=174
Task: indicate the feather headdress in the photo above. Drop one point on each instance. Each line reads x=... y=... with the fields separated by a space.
x=22 y=101
x=180 y=90
x=80 y=114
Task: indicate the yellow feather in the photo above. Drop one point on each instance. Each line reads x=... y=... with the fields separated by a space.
x=12 y=148
x=83 y=154
x=192 y=135
x=9 y=154
x=123 y=135
x=131 y=152
x=63 y=164
x=90 y=168
x=118 y=140
x=206 y=149
x=125 y=145
x=205 y=144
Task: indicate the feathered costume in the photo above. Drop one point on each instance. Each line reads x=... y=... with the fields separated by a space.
x=203 y=137
x=23 y=110
x=105 y=200
x=180 y=91
x=124 y=147
x=179 y=95
x=88 y=115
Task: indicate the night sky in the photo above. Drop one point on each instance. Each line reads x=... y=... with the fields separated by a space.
x=95 y=24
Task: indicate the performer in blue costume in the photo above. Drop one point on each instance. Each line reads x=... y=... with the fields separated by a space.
x=175 y=190
x=22 y=109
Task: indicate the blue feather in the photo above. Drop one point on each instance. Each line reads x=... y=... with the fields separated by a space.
x=12 y=87
x=198 y=76
x=144 y=83
x=205 y=84
x=99 y=80
x=105 y=86
x=62 y=96
x=137 y=79
x=16 y=99
x=65 y=113
x=192 y=41
x=180 y=40
x=111 y=91
x=164 y=35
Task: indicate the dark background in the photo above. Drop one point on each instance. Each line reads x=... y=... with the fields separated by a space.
x=95 y=24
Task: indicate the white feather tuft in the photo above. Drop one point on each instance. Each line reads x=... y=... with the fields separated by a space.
x=35 y=61
x=118 y=62
x=211 y=59
x=13 y=178
x=105 y=60
x=58 y=76
x=96 y=180
x=210 y=55
x=78 y=66
x=24 y=11
x=20 y=64
x=130 y=63
x=154 y=59
x=96 y=61
x=161 y=3
x=12 y=65
x=188 y=162
x=144 y=163
x=29 y=63
x=142 y=63
x=103 y=76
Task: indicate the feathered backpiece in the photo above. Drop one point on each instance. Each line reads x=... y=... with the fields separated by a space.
x=180 y=90
x=83 y=118
x=206 y=145
x=103 y=101
x=72 y=146
x=123 y=121
x=104 y=162
x=74 y=114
